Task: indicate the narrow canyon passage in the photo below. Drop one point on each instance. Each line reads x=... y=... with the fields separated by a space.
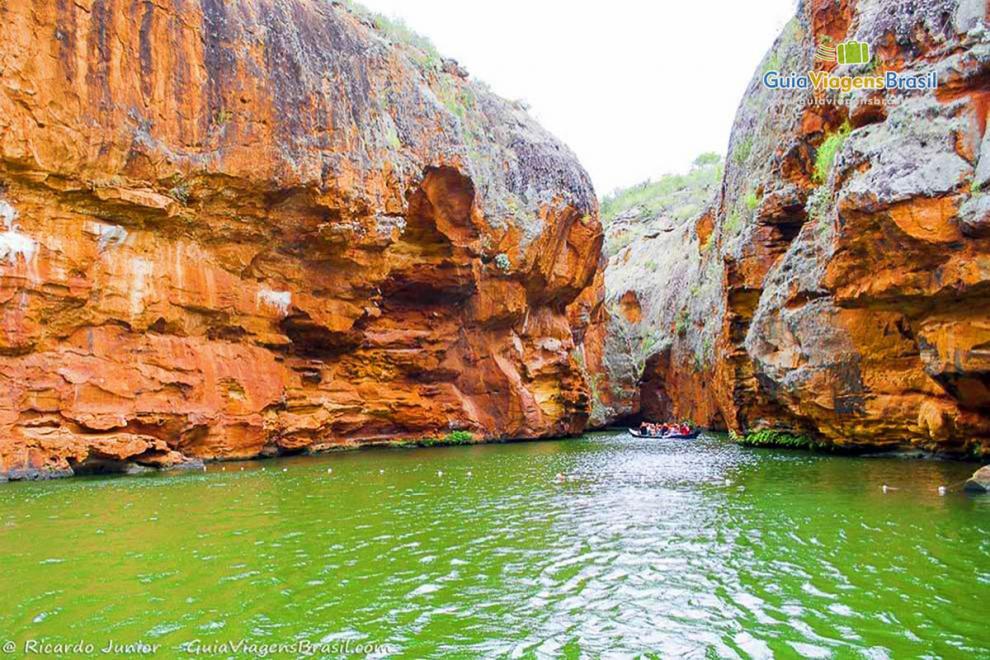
x=312 y=344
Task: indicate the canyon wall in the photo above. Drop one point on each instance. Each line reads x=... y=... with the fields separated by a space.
x=838 y=284
x=254 y=228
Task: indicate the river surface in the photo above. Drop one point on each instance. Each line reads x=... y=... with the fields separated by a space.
x=646 y=549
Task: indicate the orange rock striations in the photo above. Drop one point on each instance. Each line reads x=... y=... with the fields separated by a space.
x=243 y=229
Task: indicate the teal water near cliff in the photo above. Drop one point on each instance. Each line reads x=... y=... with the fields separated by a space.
x=646 y=549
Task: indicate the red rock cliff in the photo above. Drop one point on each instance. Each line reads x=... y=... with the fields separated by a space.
x=235 y=229
x=839 y=285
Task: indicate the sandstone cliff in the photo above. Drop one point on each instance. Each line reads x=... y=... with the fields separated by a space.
x=839 y=283
x=247 y=228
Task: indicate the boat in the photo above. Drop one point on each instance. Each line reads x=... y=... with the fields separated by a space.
x=671 y=436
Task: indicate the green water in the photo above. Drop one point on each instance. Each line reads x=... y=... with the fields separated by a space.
x=646 y=551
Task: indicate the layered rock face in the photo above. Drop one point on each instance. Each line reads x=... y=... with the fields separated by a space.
x=242 y=229
x=844 y=295
x=659 y=295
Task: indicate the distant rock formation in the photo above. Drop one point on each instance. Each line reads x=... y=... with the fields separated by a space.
x=839 y=283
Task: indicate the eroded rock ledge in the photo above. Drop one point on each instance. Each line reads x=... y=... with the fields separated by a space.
x=242 y=229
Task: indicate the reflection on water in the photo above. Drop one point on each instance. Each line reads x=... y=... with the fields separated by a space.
x=676 y=548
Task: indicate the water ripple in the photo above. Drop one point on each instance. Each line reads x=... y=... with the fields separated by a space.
x=675 y=549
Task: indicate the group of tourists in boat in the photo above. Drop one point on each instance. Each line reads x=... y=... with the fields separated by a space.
x=664 y=430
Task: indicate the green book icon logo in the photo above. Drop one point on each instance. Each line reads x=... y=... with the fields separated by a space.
x=853 y=52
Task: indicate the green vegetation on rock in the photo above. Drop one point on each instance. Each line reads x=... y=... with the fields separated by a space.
x=668 y=193
x=599 y=411
x=452 y=438
x=734 y=222
x=626 y=212
x=752 y=201
x=825 y=156
x=180 y=192
x=707 y=158
x=772 y=63
x=817 y=207
x=398 y=32
x=743 y=150
x=776 y=438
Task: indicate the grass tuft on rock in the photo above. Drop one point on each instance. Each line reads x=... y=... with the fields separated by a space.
x=773 y=438
x=752 y=201
x=743 y=150
x=825 y=156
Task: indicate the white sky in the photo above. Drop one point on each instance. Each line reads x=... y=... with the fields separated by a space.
x=636 y=88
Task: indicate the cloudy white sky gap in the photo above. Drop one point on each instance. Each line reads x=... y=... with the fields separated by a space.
x=636 y=88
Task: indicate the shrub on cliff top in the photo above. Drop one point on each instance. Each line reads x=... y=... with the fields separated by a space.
x=825 y=156
x=397 y=31
x=707 y=158
x=671 y=194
